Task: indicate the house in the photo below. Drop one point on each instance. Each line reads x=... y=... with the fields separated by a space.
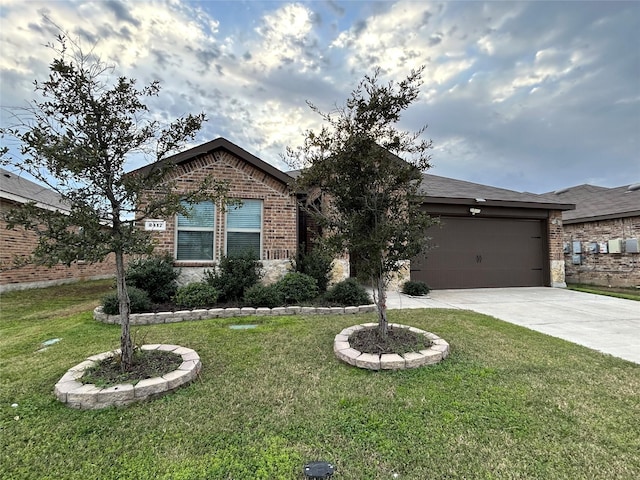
x=487 y=237
x=602 y=234
x=17 y=243
x=265 y=221
x=490 y=237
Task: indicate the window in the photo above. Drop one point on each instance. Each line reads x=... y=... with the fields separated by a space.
x=244 y=228
x=195 y=232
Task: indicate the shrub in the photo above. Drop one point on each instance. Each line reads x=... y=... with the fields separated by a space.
x=348 y=292
x=296 y=287
x=415 y=289
x=234 y=275
x=139 y=301
x=196 y=295
x=155 y=275
x=316 y=264
x=264 y=296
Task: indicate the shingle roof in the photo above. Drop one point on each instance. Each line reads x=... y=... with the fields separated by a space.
x=599 y=203
x=438 y=189
x=18 y=189
x=220 y=143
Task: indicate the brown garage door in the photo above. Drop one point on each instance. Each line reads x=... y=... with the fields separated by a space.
x=475 y=252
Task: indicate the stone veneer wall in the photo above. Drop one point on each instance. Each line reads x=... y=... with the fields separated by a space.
x=556 y=255
x=615 y=269
x=273 y=270
x=20 y=242
x=280 y=211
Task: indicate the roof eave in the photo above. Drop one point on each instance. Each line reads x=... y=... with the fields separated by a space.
x=498 y=203
x=24 y=200
x=597 y=218
x=220 y=144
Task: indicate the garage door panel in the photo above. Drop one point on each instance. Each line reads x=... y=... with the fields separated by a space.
x=474 y=252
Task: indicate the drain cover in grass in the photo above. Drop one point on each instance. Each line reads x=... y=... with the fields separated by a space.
x=242 y=327
x=318 y=470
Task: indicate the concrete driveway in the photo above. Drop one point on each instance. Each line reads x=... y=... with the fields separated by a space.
x=606 y=324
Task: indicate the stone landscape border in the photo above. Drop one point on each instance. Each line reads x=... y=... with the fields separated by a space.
x=204 y=314
x=87 y=396
x=438 y=351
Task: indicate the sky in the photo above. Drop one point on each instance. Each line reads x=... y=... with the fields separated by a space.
x=529 y=96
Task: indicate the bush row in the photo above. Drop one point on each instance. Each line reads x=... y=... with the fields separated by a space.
x=237 y=279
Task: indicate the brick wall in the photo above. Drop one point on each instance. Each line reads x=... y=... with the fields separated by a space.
x=20 y=242
x=556 y=255
x=279 y=222
x=615 y=269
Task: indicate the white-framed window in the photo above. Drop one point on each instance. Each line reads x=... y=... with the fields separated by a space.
x=195 y=233
x=244 y=228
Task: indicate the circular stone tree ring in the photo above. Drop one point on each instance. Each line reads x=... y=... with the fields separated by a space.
x=87 y=396
x=438 y=351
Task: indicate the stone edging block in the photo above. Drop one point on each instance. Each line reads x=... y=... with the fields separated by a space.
x=438 y=351
x=204 y=314
x=87 y=396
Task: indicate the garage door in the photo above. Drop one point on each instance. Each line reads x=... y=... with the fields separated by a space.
x=475 y=252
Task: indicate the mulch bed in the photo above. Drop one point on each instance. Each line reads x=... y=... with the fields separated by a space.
x=397 y=340
x=146 y=364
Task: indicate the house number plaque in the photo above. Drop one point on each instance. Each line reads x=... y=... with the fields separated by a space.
x=155 y=225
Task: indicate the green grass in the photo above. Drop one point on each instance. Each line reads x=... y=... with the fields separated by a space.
x=508 y=403
x=627 y=293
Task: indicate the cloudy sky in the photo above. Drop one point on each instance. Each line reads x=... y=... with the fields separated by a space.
x=528 y=96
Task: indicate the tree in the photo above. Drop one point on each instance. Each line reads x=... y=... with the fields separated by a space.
x=76 y=138
x=362 y=177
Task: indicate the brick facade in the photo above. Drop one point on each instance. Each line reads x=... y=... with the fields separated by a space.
x=556 y=256
x=20 y=242
x=246 y=181
x=615 y=269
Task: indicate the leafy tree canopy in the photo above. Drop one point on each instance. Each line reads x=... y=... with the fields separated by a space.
x=362 y=175
x=77 y=138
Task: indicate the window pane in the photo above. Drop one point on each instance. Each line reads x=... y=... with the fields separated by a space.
x=195 y=246
x=239 y=242
x=247 y=215
x=202 y=215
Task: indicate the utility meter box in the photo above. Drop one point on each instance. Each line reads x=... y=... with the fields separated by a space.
x=576 y=259
x=593 y=247
x=615 y=245
x=577 y=247
x=567 y=247
x=603 y=247
x=631 y=245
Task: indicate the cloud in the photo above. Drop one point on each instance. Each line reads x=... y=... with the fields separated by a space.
x=121 y=12
x=512 y=91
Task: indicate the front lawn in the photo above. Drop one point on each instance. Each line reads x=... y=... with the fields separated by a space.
x=628 y=293
x=508 y=402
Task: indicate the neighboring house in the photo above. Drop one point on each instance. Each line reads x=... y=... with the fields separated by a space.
x=602 y=234
x=17 y=243
x=265 y=222
x=488 y=237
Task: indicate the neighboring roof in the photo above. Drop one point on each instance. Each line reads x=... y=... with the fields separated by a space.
x=438 y=189
x=220 y=144
x=18 y=189
x=599 y=203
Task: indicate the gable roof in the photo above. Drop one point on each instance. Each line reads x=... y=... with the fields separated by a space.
x=599 y=203
x=17 y=189
x=219 y=144
x=438 y=189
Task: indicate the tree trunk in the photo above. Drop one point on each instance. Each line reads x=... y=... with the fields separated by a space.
x=126 y=346
x=381 y=288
